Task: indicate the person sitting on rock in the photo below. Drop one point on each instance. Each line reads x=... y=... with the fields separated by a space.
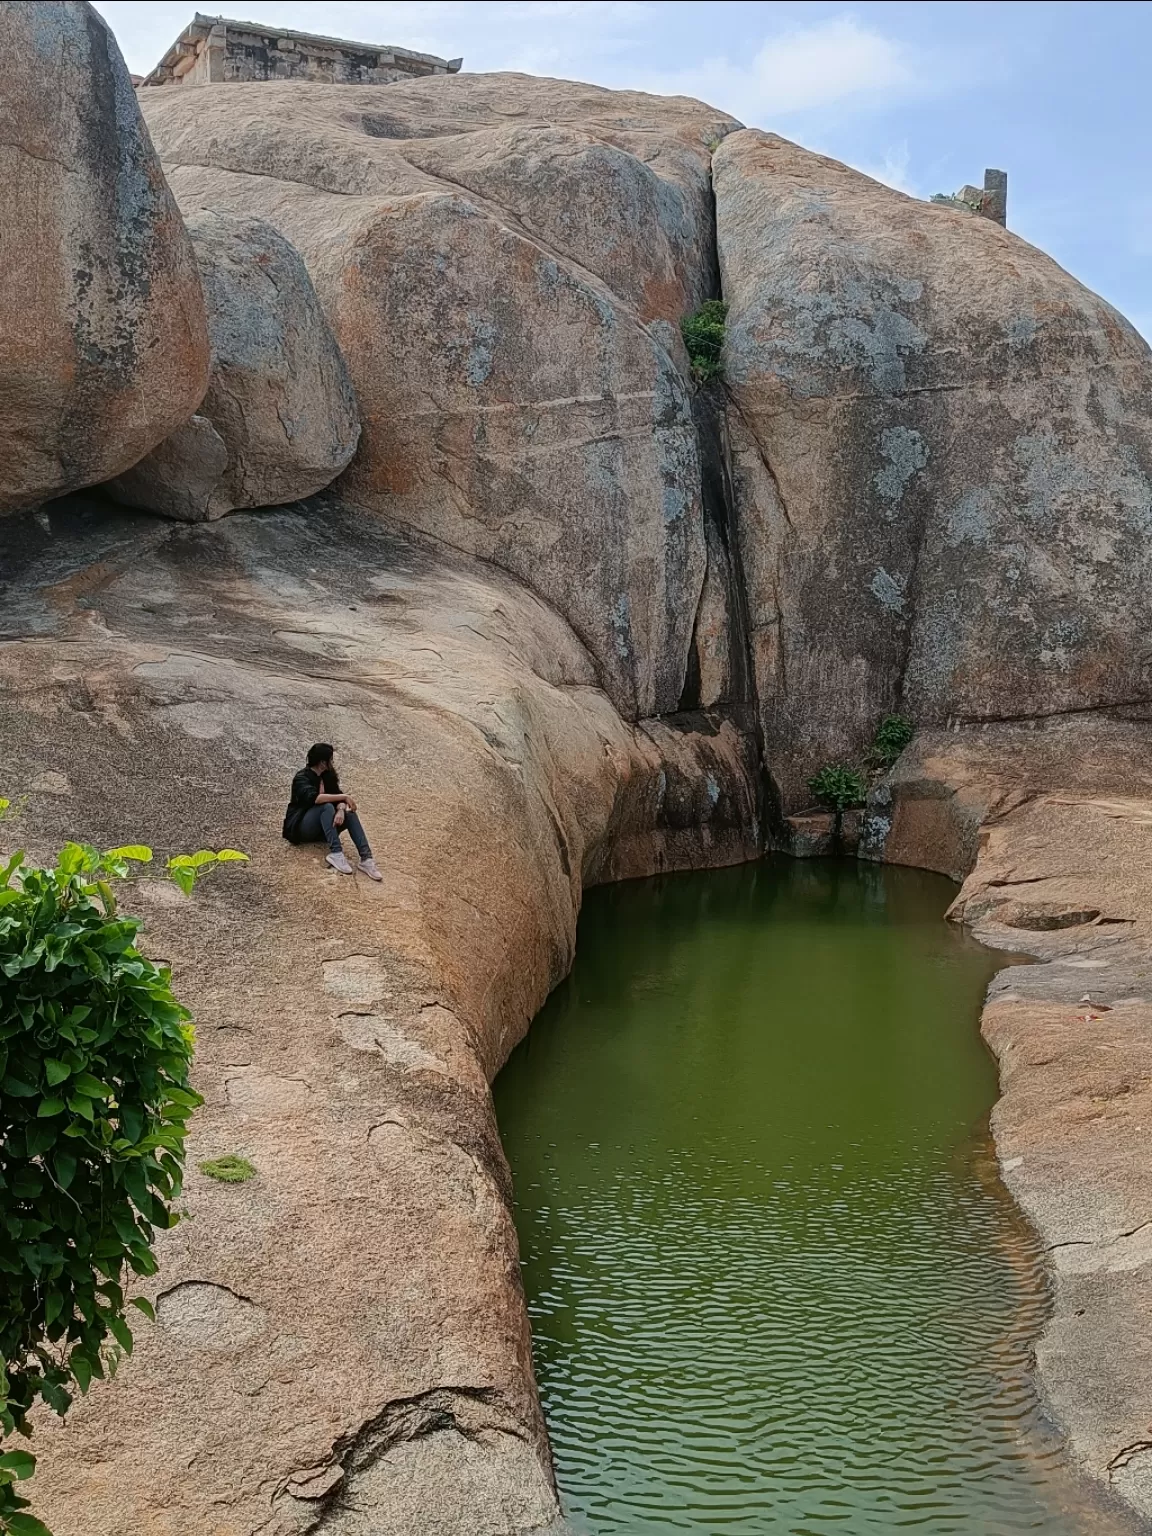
x=320 y=811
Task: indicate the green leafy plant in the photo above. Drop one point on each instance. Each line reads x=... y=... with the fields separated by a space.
x=94 y=1102
x=892 y=735
x=230 y=1169
x=703 y=333
x=838 y=787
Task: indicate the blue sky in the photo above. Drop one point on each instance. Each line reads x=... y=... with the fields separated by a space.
x=922 y=95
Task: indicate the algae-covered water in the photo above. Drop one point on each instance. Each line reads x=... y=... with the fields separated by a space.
x=774 y=1280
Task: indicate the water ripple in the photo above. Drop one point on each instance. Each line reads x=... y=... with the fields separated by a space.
x=775 y=1283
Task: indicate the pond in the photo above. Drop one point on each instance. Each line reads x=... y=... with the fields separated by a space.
x=775 y=1282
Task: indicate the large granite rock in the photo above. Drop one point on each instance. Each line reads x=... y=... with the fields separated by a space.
x=942 y=459
x=502 y=260
x=342 y=1343
x=279 y=421
x=103 y=344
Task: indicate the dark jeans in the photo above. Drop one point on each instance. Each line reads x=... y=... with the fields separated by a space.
x=319 y=826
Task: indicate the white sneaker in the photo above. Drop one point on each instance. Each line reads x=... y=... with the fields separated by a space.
x=368 y=867
x=340 y=863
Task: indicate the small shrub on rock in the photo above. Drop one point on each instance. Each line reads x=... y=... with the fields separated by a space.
x=892 y=735
x=94 y=1101
x=838 y=787
x=703 y=333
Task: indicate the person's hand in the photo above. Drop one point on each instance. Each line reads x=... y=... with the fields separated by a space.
x=338 y=819
x=349 y=802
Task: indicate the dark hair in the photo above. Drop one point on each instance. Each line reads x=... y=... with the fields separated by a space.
x=322 y=752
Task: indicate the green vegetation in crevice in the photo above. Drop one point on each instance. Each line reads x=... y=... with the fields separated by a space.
x=892 y=735
x=703 y=332
x=230 y=1169
x=838 y=787
x=95 y=1052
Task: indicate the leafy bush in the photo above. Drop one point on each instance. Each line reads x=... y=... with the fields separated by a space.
x=229 y=1169
x=94 y=1102
x=838 y=787
x=892 y=735
x=703 y=333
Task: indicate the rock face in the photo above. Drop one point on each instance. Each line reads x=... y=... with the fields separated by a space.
x=167 y=682
x=941 y=457
x=279 y=421
x=103 y=344
x=503 y=260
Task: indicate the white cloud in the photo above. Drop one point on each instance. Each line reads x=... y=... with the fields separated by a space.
x=892 y=170
x=836 y=62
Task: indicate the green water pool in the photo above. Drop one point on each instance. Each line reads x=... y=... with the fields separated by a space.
x=775 y=1283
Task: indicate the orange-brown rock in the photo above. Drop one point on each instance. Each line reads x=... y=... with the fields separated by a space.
x=942 y=462
x=103 y=343
x=345 y=1333
x=503 y=260
x=279 y=421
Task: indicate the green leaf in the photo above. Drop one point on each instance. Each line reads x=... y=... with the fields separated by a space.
x=185 y=878
x=231 y=856
x=121 y=1332
x=145 y=1306
x=55 y=1071
x=81 y=1368
x=135 y=851
x=49 y=1107
x=20 y=1462
x=21 y=1524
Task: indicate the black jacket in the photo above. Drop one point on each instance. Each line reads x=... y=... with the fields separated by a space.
x=305 y=787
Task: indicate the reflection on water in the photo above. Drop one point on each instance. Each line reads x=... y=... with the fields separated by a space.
x=775 y=1283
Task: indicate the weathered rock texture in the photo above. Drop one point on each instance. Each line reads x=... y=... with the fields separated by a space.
x=941 y=461
x=103 y=344
x=503 y=260
x=279 y=421
x=1058 y=820
x=342 y=1343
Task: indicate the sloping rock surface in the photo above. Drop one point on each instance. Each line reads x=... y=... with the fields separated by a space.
x=342 y=1343
x=279 y=421
x=503 y=260
x=103 y=344
x=942 y=462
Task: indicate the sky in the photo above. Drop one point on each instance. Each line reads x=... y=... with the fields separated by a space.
x=922 y=94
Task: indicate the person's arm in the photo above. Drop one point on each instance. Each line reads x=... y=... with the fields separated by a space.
x=307 y=791
x=340 y=799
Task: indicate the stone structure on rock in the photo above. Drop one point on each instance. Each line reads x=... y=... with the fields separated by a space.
x=215 y=49
x=103 y=341
x=990 y=201
x=503 y=260
x=941 y=463
x=279 y=421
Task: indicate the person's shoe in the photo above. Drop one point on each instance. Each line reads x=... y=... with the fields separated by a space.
x=368 y=867
x=340 y=863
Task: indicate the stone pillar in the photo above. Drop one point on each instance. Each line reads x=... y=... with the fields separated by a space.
x=996 y=196
x=216 y=47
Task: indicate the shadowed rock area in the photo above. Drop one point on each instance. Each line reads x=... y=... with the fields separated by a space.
x=279 y=421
